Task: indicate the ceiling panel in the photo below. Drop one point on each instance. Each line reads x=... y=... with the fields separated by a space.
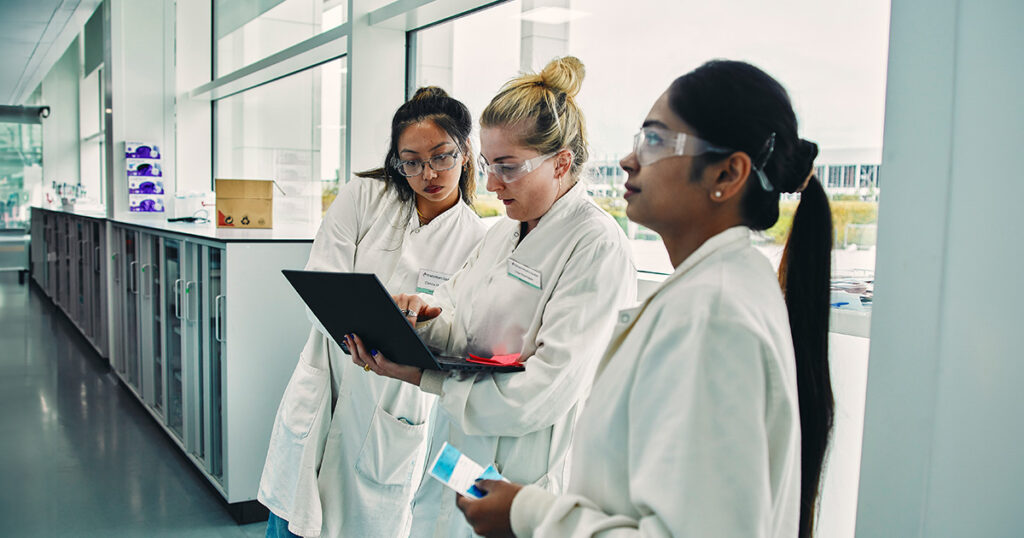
x=30 y=31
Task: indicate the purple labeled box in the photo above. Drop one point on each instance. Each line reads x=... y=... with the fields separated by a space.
x=146 y=203
x=140 y=150
x=144 y=168
x=142 y=185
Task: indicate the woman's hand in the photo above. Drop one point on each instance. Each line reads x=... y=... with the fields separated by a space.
x=489 y=516
x=371 y=359
x=415 y=308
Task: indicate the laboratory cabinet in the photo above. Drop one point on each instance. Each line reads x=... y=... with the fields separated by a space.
x=66 y=256
x=205 y=333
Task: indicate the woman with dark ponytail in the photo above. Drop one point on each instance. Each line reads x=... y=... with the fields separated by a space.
x=346 y=445
x=712 y=407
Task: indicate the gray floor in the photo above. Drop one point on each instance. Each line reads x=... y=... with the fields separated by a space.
x=78 y=455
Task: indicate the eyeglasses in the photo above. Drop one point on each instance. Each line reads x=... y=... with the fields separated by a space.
x=438 y=163
x=508 y=172
x=653 y=144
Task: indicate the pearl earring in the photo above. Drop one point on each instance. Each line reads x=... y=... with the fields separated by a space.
x=718 y=194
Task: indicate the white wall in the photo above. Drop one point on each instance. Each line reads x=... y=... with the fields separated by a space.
x=141 y=64
x=943 y=427
x=60 y=131
x=193 y=59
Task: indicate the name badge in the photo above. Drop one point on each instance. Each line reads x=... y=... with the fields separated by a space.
x=430 y=280
x=522 y=272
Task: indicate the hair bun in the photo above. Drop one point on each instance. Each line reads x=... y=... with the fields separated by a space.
x=564 y=74
x=802 y=164
x=429 y=92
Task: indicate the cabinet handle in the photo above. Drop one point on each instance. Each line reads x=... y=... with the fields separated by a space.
x=177 y=298
x=189 y=287
x=217 y=319
x=117 y=271
x=96 y=260
x=144 y=296
x=133 y=287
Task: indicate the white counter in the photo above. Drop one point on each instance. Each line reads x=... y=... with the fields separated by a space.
x=285 y=232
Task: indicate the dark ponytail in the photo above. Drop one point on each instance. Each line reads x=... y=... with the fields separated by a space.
x=804 y=275
x=429 y=103
x=736 y=105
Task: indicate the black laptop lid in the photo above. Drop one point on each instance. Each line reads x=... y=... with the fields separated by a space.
x=358 y=303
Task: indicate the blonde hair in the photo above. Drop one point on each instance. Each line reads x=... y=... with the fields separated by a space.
x=543 y=107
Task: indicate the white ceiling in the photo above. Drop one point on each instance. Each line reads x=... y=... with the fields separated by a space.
x=33 y=36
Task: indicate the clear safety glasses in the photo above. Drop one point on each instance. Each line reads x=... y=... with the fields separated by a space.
x=437 y=163
x=509 y=172
x=653 y=144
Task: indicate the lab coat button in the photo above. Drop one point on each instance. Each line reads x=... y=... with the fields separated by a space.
x=624 y=318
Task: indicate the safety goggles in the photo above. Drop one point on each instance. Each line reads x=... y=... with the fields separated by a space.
x=653 y=144
x=437 y=163
x=509 y=172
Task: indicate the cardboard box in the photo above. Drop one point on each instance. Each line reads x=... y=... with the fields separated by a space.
x=245 y=203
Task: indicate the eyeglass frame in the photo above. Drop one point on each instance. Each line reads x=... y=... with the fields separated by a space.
x=524 y=169
x=400 y=164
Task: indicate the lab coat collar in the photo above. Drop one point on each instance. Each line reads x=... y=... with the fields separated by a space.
x=735 y=237
x=565 y=203
x=562 y=206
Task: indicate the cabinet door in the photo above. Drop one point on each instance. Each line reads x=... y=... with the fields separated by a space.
x=63 y=239
x=52 y=256
x=99 y=290
x=214 y=325
x=192 y=354
x=84 y=255
x=173 y=323
x=130 y=300
x=150 y=347
x=117 y=284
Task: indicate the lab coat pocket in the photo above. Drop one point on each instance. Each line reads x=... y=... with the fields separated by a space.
x=301 y=401
x=390 y=449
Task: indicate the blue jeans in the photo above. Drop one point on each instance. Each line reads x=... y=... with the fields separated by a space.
x=278 y=528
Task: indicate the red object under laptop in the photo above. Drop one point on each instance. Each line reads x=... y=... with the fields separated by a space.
x=497 y=360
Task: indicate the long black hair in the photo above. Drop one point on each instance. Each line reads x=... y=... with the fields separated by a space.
x=737 y=105
x=430 y=103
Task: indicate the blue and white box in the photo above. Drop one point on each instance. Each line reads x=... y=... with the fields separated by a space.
x=460 y=473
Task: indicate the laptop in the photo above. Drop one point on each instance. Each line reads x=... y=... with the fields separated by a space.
x=358 y=303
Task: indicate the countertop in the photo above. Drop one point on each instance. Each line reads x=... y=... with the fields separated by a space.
x=282 y=232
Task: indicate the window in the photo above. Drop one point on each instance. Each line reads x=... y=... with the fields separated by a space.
x=631 y=55
x=246 y=32
x=21 y=157
x=292 y=131
x=91 y=129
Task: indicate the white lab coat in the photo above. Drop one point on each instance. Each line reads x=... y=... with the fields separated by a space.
x=347 y=446
x=523 y=422
x=693 y=429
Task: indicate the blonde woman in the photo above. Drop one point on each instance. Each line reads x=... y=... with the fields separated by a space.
x=545 y=283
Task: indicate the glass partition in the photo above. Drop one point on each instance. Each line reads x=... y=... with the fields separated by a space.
x=21 y=172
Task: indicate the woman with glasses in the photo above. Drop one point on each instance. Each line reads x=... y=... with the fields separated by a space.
x=713 y=404
x=545 y=284
x=346 y=445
